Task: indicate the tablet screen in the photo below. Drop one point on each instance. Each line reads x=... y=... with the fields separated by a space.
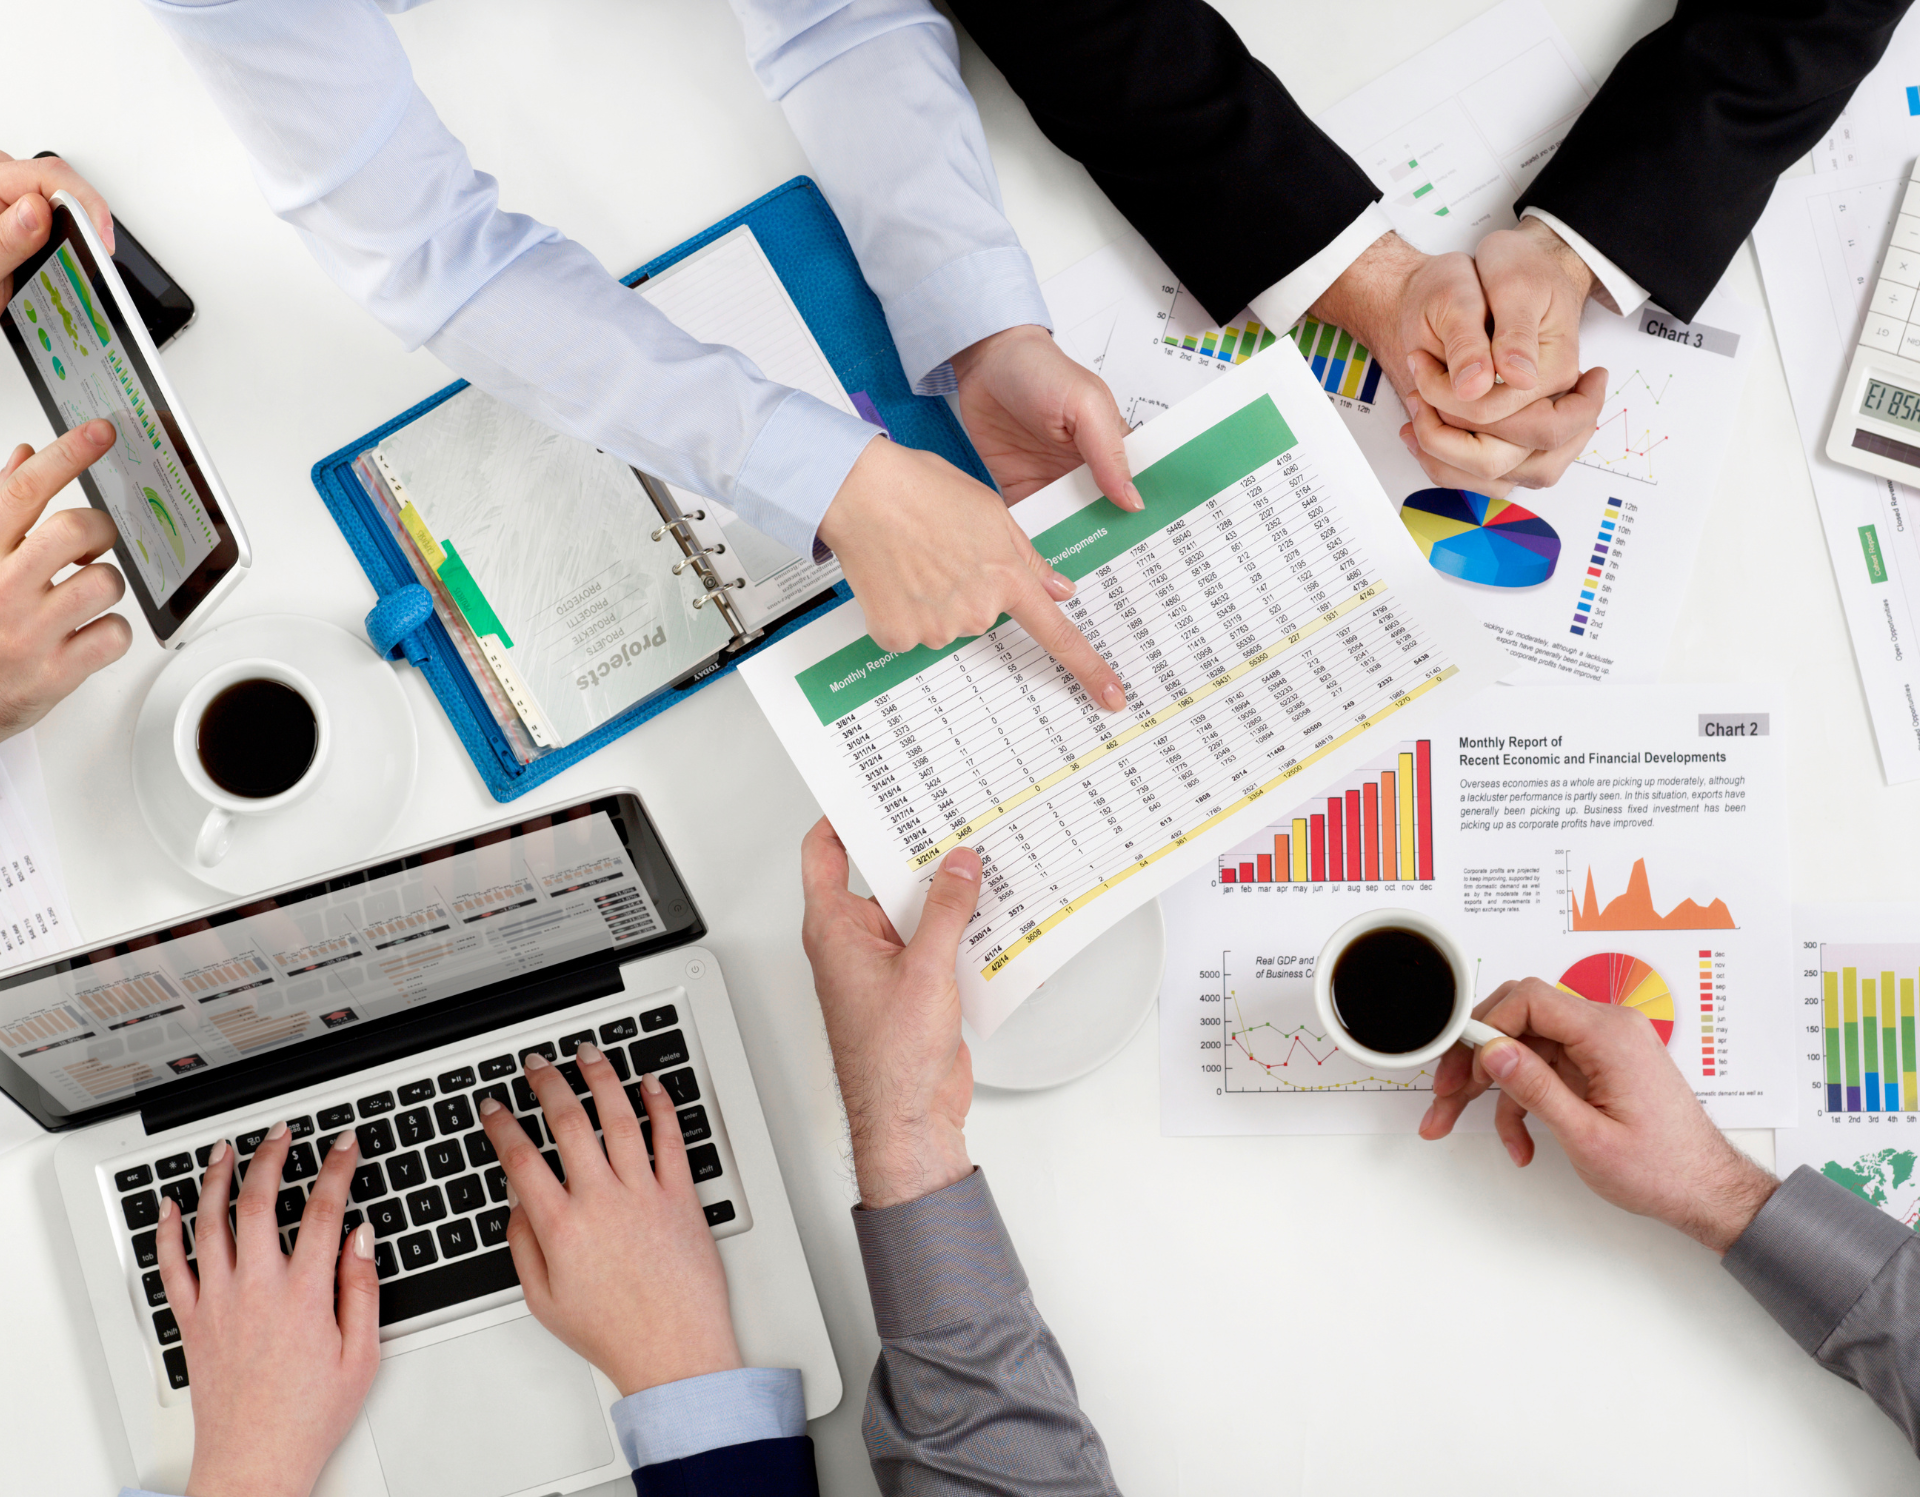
x=89 y=372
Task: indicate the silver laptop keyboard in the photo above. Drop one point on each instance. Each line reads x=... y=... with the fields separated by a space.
x=428 y=1179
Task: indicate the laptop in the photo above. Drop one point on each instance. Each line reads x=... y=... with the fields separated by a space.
x=390 y=999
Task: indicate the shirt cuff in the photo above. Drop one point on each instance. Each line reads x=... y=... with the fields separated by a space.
x=1811 y=1252
x=939 y=1261
x=1629 y=296
x=696 y=1414
x=1283 y=304
x=795 y=468
x=956 y=306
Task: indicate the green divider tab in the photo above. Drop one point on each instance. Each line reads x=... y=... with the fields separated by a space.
x=468 y=598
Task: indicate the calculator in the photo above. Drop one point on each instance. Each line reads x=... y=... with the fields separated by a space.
x=1877 y=426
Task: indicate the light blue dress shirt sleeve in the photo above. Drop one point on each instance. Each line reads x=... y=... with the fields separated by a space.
x=349 y=152
x=676 y=1420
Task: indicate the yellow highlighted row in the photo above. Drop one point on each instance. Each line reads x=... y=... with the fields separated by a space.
x=1028 y=937
x=1120 y=740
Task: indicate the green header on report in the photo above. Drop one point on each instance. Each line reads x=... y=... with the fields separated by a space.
x=1183 y=480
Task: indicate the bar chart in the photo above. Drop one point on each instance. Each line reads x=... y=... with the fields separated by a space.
x=1868 y=1031
x=1339 y=362
x=1377 y=828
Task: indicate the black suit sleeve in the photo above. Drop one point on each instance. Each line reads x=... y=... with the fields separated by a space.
x=1190 y=135
x=1670 y=166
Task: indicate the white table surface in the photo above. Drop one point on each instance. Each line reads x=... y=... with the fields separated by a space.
x=1281 y=1315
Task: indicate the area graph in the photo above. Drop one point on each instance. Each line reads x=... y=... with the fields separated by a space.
x=1634 y=908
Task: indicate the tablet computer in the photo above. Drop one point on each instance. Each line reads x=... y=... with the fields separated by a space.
x=78 y=334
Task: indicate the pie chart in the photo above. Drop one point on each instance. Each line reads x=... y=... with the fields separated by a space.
x=1493 y=542
x=1614 y=977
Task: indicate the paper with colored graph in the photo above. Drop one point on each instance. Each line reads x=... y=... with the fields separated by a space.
x=1856 y=967
x=1628 y=845
x=1269 y=627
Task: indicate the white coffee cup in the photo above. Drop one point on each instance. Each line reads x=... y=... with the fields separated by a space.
x=224 y=807
x=1460 y=1027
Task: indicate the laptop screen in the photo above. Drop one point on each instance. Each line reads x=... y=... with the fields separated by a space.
x=107 y=1026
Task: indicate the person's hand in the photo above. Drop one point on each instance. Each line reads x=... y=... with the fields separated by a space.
x=26 y=217
x=892 y=1009
x=934 y=556
x=1598 y=1076
x=1034 y=414
x=278 y=1373
x=618 y=1262
x=51 y=635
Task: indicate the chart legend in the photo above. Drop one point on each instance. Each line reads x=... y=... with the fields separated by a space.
x=1376 y=829
x=1595 y=582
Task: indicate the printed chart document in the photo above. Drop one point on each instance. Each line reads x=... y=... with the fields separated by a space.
x=1265 y=621
x=1582 y=581
x=35 y=918
x=1880 y=127
x=1625 y=844
x=1820 y=243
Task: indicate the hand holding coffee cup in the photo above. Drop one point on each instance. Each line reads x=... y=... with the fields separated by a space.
x=251 y=738
x=1393 y=989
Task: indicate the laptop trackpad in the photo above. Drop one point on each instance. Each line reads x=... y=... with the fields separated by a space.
x=479 y=1416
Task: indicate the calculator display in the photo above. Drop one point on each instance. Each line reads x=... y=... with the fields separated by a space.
x=1891 y=403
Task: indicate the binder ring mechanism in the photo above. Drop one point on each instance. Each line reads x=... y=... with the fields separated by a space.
x=680 y=526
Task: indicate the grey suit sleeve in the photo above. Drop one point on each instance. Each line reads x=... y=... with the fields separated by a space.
x=971 y=1393
x=1844 y=1281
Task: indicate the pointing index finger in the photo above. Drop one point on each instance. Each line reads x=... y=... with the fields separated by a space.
x=1055 y=633
x=26 y=490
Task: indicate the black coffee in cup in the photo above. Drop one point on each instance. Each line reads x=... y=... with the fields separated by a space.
x=257 y=738
x=1393 y=989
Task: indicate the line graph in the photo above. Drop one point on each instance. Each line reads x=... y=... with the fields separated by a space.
x=1280 y=1049
x=1626 y=438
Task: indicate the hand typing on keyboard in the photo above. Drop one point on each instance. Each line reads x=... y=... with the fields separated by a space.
x=278 y=1373
x=615 y=1257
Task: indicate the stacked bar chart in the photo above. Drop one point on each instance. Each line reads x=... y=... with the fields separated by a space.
x=1378 y=829
x=1869 y=1035
x=1340 y=364
x=1228 y=345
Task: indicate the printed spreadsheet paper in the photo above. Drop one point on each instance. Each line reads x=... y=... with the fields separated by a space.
x=1266 y=617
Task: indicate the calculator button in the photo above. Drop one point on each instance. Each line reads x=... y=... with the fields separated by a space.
x=1902 y=267
x=1910 y=342
x=1906 y=233
x=1883 y=333
x=1891 y=299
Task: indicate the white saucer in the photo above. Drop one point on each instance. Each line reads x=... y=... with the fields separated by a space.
x=363 y=787
x=1083 y=1015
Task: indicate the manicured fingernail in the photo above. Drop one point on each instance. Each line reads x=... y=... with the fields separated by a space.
x=958 y=870
x=363 y=1241
x=217 y=1153
x=1133 y=498
x=650 y=1085
x=1521 y=362
x=587 y=1051
x=1500 y=1057
x=1468 y=373
x=1413 y=363
x=1513 y=1153
x=278 y=1130
x=1060 y=587
x=1428 y=1119
x=513 y=1197
x=345 y=1143
x=534 y=1061
x=29 y=215
x=167 y=1208
x=488 y=1107
x=1113 y=696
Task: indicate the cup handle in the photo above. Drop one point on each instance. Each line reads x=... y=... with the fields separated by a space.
x=216 y=835
x=1477 y=1034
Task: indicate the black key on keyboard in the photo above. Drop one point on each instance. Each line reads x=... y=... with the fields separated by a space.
x=185 y=1193
x=349 y=1220
x=142 y=1210
x=694 y=1125
x=427 y=1205
x=337 y=1117
x=552 y=1156
x=246 y=1143
x=368 y=1183
x=240 y=1168
x=378 y=1103
x=658 y=1018
x=300 y=1127
x=637 y=1098
x=456 y=1238
x=324 y=1145
x=572 y=1042
x=530 y=1125
x=719 y=1212
x=618 y=1060
x=300 y=1165
x=202 y=1154
x=523 y=1098
x=413 y=1127
x=293 y=1239
x=387 y=1217
x=376 y=1138
x=492 y=1226
x=146 y=1249
x=498 y=1091
x=500 y=1065
x=176 y=1361
x=384 y=1263
x=618 y=1030
x=133 y=1179
x=417 y=1251
x=682 y=1086
x=571 y=1070
x=480 y=1150
x=453 y=1114
x=166 y=1327
x=156 y=1291
x=454 y=1283
x=659 y=1052
x=545 y=1049
x=405 y=1171
x=173 y=1164
x=456 y=1081
x=416 y=1091
x=288 y=1205
x=497 y=1183
x=704 y=1162
x=445 y=1158
x=466 y=1193
x=592 y=1110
